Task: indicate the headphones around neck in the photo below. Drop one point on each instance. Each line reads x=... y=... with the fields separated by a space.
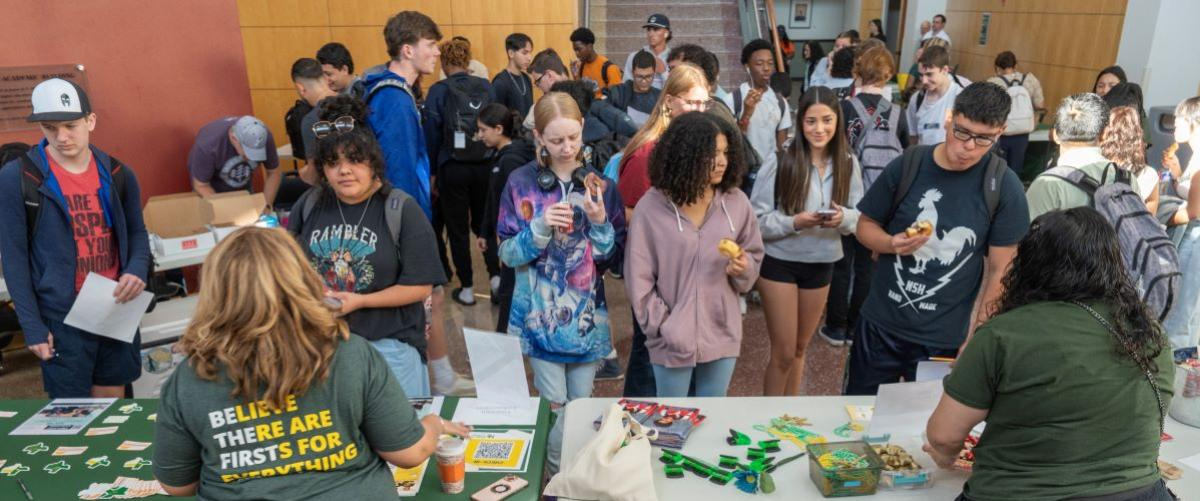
x=547 y=180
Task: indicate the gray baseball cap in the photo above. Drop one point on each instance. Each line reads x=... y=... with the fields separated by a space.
x=252 y=134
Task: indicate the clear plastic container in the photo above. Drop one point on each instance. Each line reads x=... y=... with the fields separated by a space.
x=906 y=479
x=844 y=482
x=1185 y=405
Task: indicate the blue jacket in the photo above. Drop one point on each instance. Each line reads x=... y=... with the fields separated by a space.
x=397 y=125
x=40 y=275
x=558 y=306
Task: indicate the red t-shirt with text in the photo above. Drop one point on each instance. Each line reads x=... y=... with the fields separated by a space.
x=96 y=249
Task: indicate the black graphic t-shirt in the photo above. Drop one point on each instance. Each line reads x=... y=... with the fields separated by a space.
x=927 y=297
x=362 y=258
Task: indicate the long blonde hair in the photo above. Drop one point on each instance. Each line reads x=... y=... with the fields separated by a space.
x=683 y=78
x=261 y=319
x=551 y=106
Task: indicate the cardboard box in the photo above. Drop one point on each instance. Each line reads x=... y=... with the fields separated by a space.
x=233 y=210
x=179 y=223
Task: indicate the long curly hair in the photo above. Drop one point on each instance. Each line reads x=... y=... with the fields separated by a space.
x=795 y=164
x=1121 y=140
x=681 y=162
x=260 y=318
x=1073 y=255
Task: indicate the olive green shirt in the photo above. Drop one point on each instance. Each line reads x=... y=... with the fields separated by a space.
x=1048 y=193
x=1067 y=415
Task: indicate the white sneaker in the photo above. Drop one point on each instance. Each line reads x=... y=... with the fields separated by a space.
x=742 y=303
x=495 y=283
x=462 y=387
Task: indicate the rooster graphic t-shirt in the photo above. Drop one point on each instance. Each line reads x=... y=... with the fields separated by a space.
x=927 y=297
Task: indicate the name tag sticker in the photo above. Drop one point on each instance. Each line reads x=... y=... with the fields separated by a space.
x=460 y=140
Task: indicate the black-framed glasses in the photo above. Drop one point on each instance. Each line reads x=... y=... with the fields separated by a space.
x=981 y=140
x=538 y=81
x=646 y=78
x=340 y=125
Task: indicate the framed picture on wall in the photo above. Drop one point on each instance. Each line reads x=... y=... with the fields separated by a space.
x=800 y=14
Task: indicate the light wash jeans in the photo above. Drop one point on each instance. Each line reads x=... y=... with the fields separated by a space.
x=1183 y=321
x=712 y=378
x=561 y=383
x=405 y=363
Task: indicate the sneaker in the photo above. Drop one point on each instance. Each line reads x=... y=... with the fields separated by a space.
x=610 y=369
x=495 y=286
x=463 y=296
x=834 y=335
x=462 y=387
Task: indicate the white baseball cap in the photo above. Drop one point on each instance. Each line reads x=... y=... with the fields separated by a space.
x=58 y=100
x=252 y=134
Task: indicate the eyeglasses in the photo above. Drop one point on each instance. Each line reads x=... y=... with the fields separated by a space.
x=647 y=78
x=341 y=125
x=984 y=141
x=696 y=104
x=538 y=81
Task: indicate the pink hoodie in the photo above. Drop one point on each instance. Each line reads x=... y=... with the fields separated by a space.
x=676 y=281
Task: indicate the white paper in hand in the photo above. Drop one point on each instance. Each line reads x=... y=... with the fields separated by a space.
x=96 y=310
x=903 y=409
x=498 y=368
x=928 y=370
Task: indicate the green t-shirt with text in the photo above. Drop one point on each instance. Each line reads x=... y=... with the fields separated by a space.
x=319 y=445
x=1067 y=417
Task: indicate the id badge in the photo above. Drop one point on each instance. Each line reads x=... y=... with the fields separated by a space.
x=460 y=140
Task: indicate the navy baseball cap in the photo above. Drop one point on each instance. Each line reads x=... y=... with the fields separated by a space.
x=657 y=21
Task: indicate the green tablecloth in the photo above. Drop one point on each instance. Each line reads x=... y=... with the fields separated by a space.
x=67 y=483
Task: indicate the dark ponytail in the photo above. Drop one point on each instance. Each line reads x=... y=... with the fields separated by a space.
x=498 y=115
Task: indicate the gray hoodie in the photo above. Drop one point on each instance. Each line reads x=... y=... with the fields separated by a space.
x=676 y=281
x=809 y=245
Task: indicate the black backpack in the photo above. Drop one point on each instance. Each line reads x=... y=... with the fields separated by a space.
x=1150 y=256
x=291 y=123
x=596 y=154
x=911 y=165
x=464 y=99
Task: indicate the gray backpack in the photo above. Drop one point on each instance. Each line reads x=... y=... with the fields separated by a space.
x=876 y=147
x=1150 y=256
x=393 y=210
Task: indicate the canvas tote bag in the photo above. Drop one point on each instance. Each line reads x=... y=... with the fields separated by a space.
x=614 y=465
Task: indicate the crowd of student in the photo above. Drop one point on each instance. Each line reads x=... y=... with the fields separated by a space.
x=907 y=228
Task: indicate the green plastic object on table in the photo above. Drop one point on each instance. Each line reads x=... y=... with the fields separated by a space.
x=673 y=471
x=769 y=445
x=728 y=461
x=737 y=438
x=670 y=457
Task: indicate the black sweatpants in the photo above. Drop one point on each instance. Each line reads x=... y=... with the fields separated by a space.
x=462 y=189
x=851 y=282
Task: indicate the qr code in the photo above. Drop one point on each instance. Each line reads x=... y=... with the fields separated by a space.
x=493 y=450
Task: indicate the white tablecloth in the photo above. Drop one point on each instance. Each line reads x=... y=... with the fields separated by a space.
x=792 y=480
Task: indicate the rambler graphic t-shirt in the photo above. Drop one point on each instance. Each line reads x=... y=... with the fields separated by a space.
x=927 y=297
x=354 y=252
x=318 y=446
x=95 y=248
x=215 y=161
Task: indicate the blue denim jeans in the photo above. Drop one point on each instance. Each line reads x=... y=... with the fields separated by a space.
x=712 y=378
x=1183 y=321
x=561 y=383
x=405 y=363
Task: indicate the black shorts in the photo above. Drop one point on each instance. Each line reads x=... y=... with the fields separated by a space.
x=804 y=275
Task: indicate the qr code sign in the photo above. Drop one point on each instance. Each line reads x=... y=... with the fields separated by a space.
x=495 y=453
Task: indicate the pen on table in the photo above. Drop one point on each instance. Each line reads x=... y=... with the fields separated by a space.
x=25 y=489
x=941 y=359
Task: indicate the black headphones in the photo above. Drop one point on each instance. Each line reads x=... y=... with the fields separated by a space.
x=547 y=180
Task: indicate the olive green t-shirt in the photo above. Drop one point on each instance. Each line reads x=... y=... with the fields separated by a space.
x=1067 y=416
x=320 y=445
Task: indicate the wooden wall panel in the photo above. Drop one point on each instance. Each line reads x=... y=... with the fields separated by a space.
x=277 y=32
x=871 y=9
x=1064 y=42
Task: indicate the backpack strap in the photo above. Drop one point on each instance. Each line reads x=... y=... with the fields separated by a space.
x=393 y=213
x=604 y=71
x=1023 y=77
x=1078 y=178
x=910 y=165
x=737 y=103
x=32 y=179
x=867 y=120
x=920 y=99
x=993 y=177
x=307 y=202
x=782 y=103
x=390 y=82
